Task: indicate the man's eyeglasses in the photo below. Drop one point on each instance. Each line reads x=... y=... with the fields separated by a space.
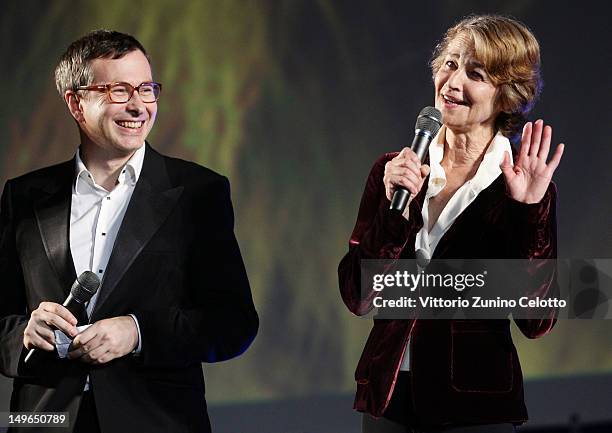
x=120 y=93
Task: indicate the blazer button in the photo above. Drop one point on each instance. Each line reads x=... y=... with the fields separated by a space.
x=363 y=382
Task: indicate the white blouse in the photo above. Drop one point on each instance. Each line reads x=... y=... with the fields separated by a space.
x=488 y=171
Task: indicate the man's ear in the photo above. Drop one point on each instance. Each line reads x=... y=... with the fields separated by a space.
x=74 y=105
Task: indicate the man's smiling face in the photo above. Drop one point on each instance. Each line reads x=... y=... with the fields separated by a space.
x=118 y=129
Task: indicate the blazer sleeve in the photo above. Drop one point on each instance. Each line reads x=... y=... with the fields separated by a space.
x=218 y=321
x=13 y=317
x=378 y=234
x=533 y=236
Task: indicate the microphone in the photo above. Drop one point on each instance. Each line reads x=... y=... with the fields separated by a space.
x=427 y=126
x=85 y=286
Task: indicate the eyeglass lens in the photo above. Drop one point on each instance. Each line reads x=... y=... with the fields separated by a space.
x=149 y=92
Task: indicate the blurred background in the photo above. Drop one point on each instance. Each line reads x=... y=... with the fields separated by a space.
x=293 y=101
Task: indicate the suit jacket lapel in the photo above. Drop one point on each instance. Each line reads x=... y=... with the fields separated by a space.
x=487 y=199
x=52 y=210
x=152 y=200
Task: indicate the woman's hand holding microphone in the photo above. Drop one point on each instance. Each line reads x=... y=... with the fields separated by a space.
x=405 y=171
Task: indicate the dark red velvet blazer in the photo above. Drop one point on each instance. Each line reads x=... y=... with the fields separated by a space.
x=464 y=371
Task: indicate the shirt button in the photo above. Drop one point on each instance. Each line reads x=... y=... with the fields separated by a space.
x=103 y=234
x=100 y=271
x=108 y=198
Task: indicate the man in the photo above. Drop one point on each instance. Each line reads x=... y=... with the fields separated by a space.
x=158 y=232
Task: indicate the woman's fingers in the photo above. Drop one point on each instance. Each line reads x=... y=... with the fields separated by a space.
x=536 y=138
x=408 y=170
x=403 y=153
x=535 y=147
x=525 y=142
x=545 y=144
x=407 y=176
x=406 y=156
x=402 y=181
x=556 y=159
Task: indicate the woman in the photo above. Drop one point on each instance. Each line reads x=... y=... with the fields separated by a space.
x=473 y=200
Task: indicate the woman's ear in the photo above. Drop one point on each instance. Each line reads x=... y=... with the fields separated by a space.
x=74 y=105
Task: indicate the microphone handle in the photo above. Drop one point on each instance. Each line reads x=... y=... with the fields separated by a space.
x=420 y=144
x=401 y=196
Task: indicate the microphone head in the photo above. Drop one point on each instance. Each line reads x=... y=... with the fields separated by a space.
x=429 y=121
x=85 y=286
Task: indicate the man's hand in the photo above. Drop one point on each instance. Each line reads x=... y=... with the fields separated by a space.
x=105 y=340
x=39 y=330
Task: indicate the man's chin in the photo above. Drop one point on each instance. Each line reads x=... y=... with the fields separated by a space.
x=122 y=149
x=129 y=145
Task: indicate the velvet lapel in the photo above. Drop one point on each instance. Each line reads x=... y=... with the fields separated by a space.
x=52 y=210
x=151 y=203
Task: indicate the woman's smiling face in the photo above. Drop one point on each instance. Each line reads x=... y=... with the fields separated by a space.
x=464 y=92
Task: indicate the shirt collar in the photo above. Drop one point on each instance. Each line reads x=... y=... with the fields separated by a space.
x=130 y=173
x=487 y=172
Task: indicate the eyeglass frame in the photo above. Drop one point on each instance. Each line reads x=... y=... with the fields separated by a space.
x=107 y=87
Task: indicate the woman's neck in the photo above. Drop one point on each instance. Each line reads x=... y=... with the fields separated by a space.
x=465 y=150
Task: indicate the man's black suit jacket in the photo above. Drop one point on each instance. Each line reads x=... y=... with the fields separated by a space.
x=175 y=264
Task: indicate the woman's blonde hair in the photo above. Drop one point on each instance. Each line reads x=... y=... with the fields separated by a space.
x=510 y=54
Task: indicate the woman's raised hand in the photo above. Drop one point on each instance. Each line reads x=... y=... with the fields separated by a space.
x=528 y=179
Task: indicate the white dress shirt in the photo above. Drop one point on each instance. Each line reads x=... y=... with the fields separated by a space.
x=95 y=218
x=487 y=172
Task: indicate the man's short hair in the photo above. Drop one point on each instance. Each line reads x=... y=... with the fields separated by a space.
x=74 y=68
